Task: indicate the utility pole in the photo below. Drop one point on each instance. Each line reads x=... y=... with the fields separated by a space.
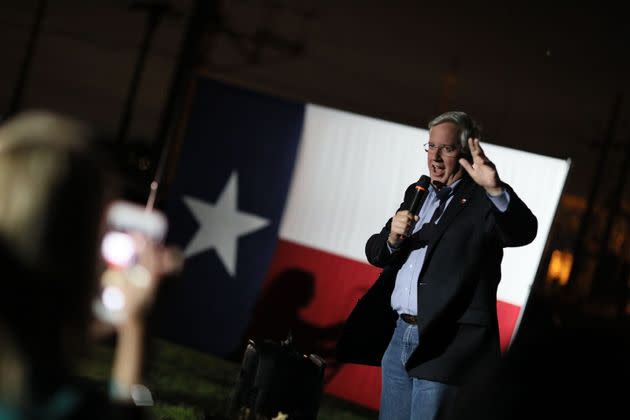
x=155 y=11
x=619 y=283
x=18 y=93
x=587 y=219
x=204 y=12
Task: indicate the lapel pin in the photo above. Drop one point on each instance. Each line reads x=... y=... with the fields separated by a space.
x=463 y=201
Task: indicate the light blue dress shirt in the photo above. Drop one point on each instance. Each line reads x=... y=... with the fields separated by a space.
x=405 y=295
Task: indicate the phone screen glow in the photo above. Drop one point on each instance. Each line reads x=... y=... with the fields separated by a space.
x=118 y=249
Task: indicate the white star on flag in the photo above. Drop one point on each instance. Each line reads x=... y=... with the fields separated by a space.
x=221 y=224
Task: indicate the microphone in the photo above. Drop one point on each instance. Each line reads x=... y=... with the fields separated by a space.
x=421 y=188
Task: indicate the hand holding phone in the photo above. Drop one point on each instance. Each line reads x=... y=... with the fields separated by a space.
x=134 y=261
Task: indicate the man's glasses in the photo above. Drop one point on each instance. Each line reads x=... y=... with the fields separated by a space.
x=445 y=149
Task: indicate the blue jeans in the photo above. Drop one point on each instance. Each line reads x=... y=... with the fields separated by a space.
x=404 y=397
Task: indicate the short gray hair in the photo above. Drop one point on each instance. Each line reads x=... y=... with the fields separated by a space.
x=467 y=127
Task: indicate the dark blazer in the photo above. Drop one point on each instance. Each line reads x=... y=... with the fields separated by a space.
x=457 y=287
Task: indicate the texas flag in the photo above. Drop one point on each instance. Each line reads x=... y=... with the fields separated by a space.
x=272 y=203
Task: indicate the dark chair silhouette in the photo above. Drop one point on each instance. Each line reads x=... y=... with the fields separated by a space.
x=275 y=378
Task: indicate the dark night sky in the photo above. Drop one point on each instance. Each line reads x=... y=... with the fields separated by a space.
x=539 y=78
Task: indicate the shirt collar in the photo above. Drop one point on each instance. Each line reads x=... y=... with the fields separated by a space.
x=452 y=186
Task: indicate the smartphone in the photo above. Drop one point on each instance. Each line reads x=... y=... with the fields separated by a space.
x=119 y=254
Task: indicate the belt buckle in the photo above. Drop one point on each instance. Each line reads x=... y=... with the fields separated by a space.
x=409 y=319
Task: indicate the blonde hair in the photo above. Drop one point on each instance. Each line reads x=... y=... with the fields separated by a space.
x=35 y=154
x=52 y=199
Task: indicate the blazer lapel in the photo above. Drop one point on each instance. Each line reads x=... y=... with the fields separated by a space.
x=459 y=202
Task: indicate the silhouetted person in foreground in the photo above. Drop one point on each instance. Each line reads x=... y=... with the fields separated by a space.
x=53 y=197
x=559 y=366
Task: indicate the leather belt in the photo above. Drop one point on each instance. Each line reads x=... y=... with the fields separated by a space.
x=409 y=319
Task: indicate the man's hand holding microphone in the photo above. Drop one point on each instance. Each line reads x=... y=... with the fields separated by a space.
x=404 y=220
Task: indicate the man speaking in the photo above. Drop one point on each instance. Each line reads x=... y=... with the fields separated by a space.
x=430 y=319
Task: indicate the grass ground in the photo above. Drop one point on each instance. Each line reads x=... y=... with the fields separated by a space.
x=189 y=385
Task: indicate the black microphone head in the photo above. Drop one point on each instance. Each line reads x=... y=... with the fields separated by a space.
x=421 y=187
x=423 y=182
